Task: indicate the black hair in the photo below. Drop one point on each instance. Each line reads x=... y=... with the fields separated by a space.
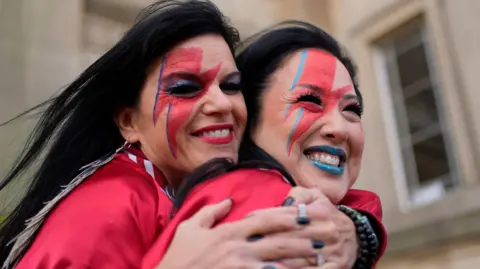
x=77 y=126
x=261 y=55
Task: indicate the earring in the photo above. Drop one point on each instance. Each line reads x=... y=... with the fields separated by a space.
x=125 y=145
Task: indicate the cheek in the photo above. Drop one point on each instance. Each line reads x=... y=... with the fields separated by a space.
x=356 y=143
x=153 y=138
x=304 y=119
x=357 y=139
x=270 y=132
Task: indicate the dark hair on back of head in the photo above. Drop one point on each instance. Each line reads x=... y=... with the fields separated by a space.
x=77 y=126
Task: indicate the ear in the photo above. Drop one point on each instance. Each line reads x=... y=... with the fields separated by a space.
x=125 y=120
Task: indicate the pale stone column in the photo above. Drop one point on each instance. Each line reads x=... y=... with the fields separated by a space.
x=39 y=53
x=52 y=46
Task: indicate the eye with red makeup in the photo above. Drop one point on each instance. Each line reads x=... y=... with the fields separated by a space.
x=309 y=99
x=181 y=84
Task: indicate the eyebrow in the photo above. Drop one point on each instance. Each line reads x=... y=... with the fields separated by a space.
x=232 y=75
x=322 y=91
x=310 y=86
x=350 y=97
x=183 y=75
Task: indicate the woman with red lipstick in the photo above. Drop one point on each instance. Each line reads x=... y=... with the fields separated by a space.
x=115 y=144
x=304 y=121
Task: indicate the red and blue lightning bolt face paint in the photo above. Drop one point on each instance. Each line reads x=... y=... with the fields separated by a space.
x=315 y=76
x=311 y=124
x=181 y=83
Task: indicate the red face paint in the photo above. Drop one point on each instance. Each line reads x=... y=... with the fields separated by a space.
x=316 y=68
x=179 y=109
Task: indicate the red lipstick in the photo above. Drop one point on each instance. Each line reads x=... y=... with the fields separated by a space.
x=218 y=134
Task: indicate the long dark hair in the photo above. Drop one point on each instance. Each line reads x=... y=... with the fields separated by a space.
x=260 y=56
x=77 y=126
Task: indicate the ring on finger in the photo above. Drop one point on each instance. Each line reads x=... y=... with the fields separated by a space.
x=269 y=266
x=302 y=218
x=320 y=260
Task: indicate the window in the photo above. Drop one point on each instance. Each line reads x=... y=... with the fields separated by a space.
x=421 y=135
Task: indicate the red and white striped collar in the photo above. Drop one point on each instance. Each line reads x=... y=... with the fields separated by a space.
x=139 y=158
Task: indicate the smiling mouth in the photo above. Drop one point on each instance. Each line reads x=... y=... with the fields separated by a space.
x=215 y=134
x=327 y=158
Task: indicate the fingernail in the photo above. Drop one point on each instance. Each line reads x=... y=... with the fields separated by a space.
x=254 y=238
x=269 y=267
x=289 y=201
x=316 y=244
x=303 y=220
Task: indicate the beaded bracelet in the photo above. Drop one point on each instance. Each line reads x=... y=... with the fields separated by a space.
x=368 y=241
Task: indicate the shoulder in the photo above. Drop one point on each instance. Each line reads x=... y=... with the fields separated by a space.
x=365 y=201
x=117 y=197
x=361 y=197
x=242 y=185
x=244 y=177
x=113 y=211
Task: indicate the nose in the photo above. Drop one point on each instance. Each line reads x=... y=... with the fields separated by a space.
x=334 y=128
x=217 y=102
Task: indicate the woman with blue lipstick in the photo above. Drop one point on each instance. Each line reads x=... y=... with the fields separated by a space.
x=304 y=120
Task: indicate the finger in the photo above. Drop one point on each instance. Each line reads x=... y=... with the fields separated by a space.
x=274 y=248
x=296 y=263
x=327 y=265
x=307 y=196
x=265 y=221
x=271 y=265
x=316 y=230
x=210 y=214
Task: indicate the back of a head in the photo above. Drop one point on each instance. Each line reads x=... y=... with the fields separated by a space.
x=262 y=54
x=78 y=125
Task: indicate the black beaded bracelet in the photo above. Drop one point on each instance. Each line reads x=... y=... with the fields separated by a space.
x=368 y=241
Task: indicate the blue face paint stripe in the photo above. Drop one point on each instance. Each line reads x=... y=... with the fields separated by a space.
x=297 y=121
x=301 y=65
x=166 y=129
x=162 y=67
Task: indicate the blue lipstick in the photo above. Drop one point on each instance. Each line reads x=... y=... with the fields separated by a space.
x=331 y=169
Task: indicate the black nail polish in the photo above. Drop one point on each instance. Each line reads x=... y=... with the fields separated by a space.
x=269 y=267
x=254 y=238
x=316 y=244
x=303 y=220
x=289 y=201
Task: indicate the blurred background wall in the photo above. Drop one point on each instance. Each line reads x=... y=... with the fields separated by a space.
x=418 y=63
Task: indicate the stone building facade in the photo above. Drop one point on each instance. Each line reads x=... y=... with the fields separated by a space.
x=418 y=63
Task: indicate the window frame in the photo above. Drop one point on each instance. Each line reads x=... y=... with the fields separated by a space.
x=406 y=174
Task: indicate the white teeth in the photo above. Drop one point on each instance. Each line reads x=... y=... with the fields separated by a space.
x=216 y=133
x=323 y=157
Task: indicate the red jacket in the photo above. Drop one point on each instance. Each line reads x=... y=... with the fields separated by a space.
x=108 y=222
x=252 y=189
x=115 y=218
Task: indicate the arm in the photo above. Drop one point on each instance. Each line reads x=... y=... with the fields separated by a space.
x=109 y=221
x=250 y=189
